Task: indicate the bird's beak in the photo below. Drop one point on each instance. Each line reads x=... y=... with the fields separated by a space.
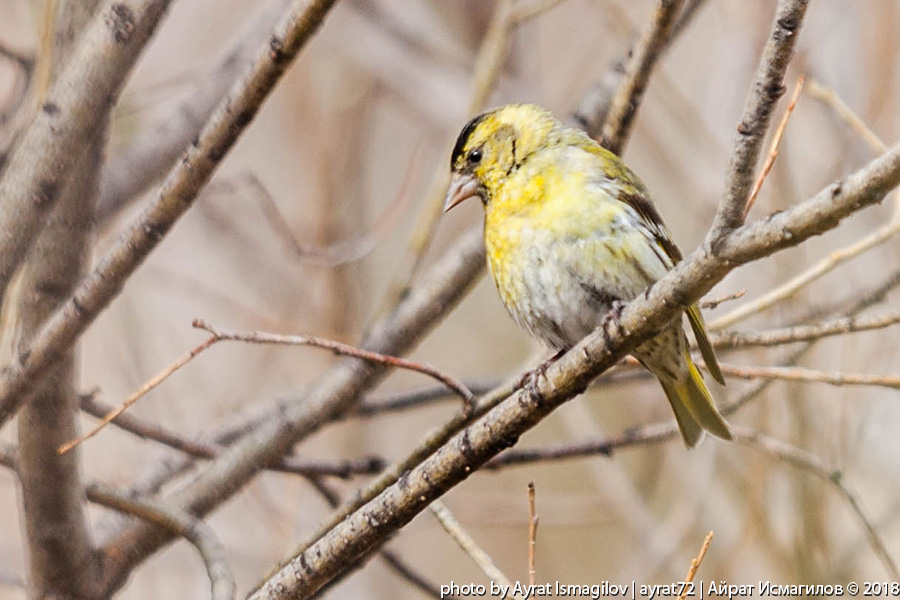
x=462 y=187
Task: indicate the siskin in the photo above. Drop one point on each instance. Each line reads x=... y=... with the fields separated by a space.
x=570 y=233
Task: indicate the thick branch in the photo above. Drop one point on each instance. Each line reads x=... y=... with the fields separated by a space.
x=768 y=86
x=176 y=195
x=75 y=107
x=60 y=554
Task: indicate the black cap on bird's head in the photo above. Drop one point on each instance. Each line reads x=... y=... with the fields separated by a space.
x=494 y=145
x=463 y=184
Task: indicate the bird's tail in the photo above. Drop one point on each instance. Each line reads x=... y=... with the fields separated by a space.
x=693 y=405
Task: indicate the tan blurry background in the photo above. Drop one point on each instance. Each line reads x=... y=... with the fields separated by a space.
x=359 y=126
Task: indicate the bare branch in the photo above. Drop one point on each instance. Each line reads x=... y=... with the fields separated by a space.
x=133 y=169
x=142 y=391
x=623 y=108
x=465 y=541
x=803 y=374
x=532 y=533
x=773 y=147
x=60 y=552
x=804 y=278
x=715 y=302
x=812 y=464
x=802 y=333
x=258 y=337
x=175 y=197
x=827 y=95
x=179 y=523
x=695 y=563
x=594 y=108
x=767 y=87
x=337 y=391
x=75 y=107
x=292 y=463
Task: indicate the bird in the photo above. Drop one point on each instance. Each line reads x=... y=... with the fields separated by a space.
x=571 y=233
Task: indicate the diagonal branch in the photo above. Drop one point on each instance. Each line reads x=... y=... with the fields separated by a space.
x=768 y=86
x=623 y=109
x=76 y=105
x=175 y=197
x=132 y=170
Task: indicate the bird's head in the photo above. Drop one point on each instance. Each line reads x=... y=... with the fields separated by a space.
x=493 y=145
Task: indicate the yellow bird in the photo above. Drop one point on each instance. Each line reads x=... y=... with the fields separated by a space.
x=570 y=233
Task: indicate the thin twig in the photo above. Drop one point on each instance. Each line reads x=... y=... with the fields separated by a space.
x=180 y=523
x=525 y=10
x=773 y=148
x=74 y=108
x=820 y=91
x=802 y=459
x=139 y=393
x=532 y=533
x=594 y=108
x=695 y=563
x=802 y=333
x=624 y=106
x=801 y=280
x=292 y=463
x=133 y=169
x=715 y=302
x=259 y=337
x=836 y=257
x=803 y=374
x=462 y=537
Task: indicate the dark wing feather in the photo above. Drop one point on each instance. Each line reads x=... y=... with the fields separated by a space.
x=645 y=209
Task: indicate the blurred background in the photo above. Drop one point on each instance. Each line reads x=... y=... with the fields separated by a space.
x=347 y=149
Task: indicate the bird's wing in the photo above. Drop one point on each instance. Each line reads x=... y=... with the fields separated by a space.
x=654 y=224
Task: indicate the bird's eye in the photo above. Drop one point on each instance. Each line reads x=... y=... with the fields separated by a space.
x=475 y=156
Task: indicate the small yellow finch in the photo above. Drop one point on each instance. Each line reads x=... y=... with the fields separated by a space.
x=570 y=233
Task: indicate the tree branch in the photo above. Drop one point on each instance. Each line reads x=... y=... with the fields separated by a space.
x=75 y=107
x=767 y=88
x=174 y=198
x=180 y=523
x=624 y=106
x=133 y=169
x=60 y=553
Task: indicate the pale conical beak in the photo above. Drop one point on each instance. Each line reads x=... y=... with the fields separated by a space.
x=462 y=187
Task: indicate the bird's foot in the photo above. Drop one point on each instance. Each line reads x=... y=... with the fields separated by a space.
x=612 y=317
x=529 y=381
